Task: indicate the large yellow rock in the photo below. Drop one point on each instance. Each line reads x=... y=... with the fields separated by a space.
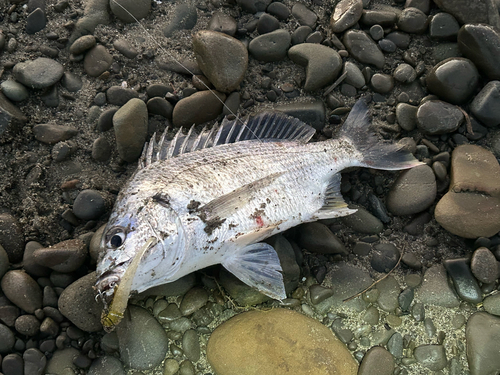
x=277 y=342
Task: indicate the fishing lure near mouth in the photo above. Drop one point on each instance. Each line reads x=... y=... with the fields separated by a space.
x=213 y=197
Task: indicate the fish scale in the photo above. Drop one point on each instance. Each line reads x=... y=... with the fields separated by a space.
x=211 y=198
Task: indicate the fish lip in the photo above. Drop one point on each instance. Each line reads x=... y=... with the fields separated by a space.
x=108 y=281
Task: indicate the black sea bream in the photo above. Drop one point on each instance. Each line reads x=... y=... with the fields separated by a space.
x=206 y=199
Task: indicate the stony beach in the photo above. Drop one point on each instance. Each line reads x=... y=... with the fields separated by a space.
x=408 y=285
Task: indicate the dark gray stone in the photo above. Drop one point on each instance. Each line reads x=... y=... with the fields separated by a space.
x=39 y=73
x=184 y=17
x=465 y=284
x=438 y=117
x=432 y=357
x=363 y=48
x=89 y=205
x=486 y=104
x=272 y=46
x=482 y=335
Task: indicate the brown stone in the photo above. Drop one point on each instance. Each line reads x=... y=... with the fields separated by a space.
x=277 y=342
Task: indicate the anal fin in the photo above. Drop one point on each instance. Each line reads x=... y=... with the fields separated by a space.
x=258 y=266
x=334 y=204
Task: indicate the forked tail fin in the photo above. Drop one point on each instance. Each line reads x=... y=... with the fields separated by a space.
x=377 y=154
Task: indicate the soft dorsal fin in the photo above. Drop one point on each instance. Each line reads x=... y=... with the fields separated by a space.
x=267 y=126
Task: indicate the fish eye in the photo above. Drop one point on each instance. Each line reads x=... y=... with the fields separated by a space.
x=116 y=238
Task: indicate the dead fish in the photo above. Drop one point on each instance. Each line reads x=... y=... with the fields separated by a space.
x=209 y=198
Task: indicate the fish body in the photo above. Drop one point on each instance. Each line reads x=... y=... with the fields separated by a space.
x=211 y=198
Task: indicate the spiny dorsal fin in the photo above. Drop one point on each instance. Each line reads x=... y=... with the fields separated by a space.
x=265 y=127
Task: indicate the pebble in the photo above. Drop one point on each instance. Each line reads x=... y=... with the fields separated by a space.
x=382 y=83
x=53 y=133
x=170 y=367
x=22 y=290
x=71 y=82
x=35 y=21
x=354 y=77
x=300 y=34
x=79 y=305
x=270 y=47
x=312 y=112
x=106 y=365
x=105 y=120
x=438 y=117
x=400 y=39
x=319 y=293
x=363 y=48
x=383 y=18
x=97 y=60
x=464 y=12
x=193 y=300
x=191 y=345
x=404 y=73
x=267 y=23
x=12 y=118
x=12 y=364
x=346 y=14
x=175 y=288
x=387 y=45
x=131 y=125
x=222 y=59
x=406 y=116
x=39 y=73
x=14 y=90
x=34 y=362
x=389 y=292
x=279 y=10
x=484 y=265
x=118 y=95
x=432 y=357
x=293 y=341
x=464 y=282
x=413 y=191
x=223 y=23
x=481 y=44
x=462 y=210
x=376 y=32
x=61 y=362
x=454 y=80
x=322 y=64
x=207 y=105
x=384 y=257
x=486 y=104
x=27 y=325
x=304 y=15
x=443 y=26
x=481 y=333
x=7 y=339
x=412 y=20
x=142 y=341
x=101 y=149
x=66 y=256
x=125 y=48
x=135 y=9
x=11 y=237
x=82 y=44
x=317 y=238
x=363 y=221
x=184 y=17
x=491 y=304
x=435 y=289
x=88 y=205
x=377 y=361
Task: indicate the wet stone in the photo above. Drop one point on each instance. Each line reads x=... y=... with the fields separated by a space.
x=382 y=83
x=377 y=358
x=322 y=64
x=222 y=59
x=14 y=90
x=486 y=104
x=316 y=237
x=454 y=80
x=304 y=15
x=39 y=73
x=363 y=48
x=97 y=61
x=125 y=48
x=384 y=257
x=82 y=44
x=481 y=44
x=224 y=23
x=435 y=289
x=118 y=95
x=465 y=284
x=438 y=117
x=22 y=290
x=88 y=205
x=432 y=357
x=412 y=20
x=443 y=26
x=11 y=237
x=269 y=47
x=346 y=14
x=484 y=265
x=131 y=124
x=193 y=300
x=207 y=106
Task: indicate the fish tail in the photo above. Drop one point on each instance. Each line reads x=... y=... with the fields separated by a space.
x=375 y=153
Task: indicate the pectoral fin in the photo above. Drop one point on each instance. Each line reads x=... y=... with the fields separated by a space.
x=258 y=266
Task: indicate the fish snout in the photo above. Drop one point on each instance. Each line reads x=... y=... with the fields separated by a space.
x=107 y=283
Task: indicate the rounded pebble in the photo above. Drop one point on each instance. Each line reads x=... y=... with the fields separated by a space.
x=135 y=9
x=11 y=237
x=224 y=23
x=316 y=237
x=412 y=20
x=208 y=107
x=22 y=290
x=39 y=73
x=89 y=205
x=27 y=325
x=384 y=257
x=438 y=117
x=14 y=90
x=363 y=48
x=346 y=14
x=486 y=104
x=106 y=365
x=131 y=125
x=270 y=47
x=82 y=44
x=7 y=339
x=432 y=357
x=97 y=61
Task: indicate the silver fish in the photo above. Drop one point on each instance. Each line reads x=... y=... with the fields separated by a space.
x=200 y=200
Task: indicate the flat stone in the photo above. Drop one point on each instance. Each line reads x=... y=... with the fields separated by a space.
x=22 y=290
x=362 y=221
x=413 y=191
x=377 y=361
x=438 y=117
x=270 y=47
x=82 y=44
x=131 y=125
x=35 y=21
x=62 y=361
x=258 y=342
x=382 y=83
x=464 y=282
x=406 y=116
x=354 y=76
x=412 y=20
x=454 y=80
x=435 y=289
x=470 y=209
x=491 y=304
x=14 y=90
x=79 y=305
x=135 y=9
x=11 y=118
x=125 y=48
x=97 y=61
x=443 y=26
x=466 y=12
x=312 y=113
x=39 y=73
x=486 y=104
x=224 y=23
x=346 y=14
x=65 y=256
x=198 y=108
x=316 y=237
x=304 y=15
x=432 y=357
x=386 y=17
x=222 y=59
x=482 y=335
x=363 y=48
x=481 y=44
x=323 y=64
x=184 y=17
x=484 y=265
x=384 y=257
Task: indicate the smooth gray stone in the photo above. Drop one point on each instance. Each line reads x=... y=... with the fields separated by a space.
x=432 y=357
x=377 y=358
x=270 y=47
x=362 y=221
x=39 y=73
x=406 y=116
x=482 y=335
x=106 y=365
x=435 y=289
x=412 y=20
x=22 y=290
x=363 y=48
x=346 y=14
x=131 y=125
x=224 y=23
x=185 y=17
x=304 y=15
x=312 y=113
x=486 y=104
x=134 y=9
x=35 y=21
x=465 y=284
x=443 y=26
x=438 y=117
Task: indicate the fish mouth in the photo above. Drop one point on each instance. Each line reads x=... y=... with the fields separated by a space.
x=108 y=281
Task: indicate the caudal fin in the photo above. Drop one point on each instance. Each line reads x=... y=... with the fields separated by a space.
x=377 y=154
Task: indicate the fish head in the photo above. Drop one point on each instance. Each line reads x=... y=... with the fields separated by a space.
x=130 y=226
